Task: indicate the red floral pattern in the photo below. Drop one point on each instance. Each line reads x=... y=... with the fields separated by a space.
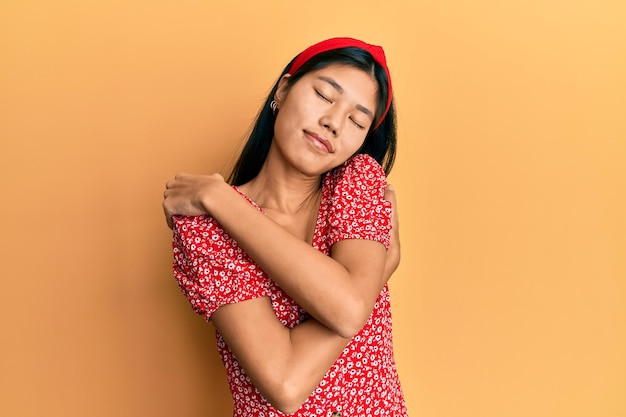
x=212 y=270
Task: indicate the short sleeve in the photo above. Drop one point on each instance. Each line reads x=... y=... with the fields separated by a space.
x=358 y=209
x=210 y=267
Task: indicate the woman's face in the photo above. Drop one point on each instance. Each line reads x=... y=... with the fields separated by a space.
x=324 y=117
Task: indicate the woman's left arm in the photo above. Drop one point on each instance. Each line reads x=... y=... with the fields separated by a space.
x=339 y=291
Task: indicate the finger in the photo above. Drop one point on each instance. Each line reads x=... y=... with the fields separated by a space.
x=393 y=251
x=390 y=195
x=168 y=216
x=181 y=175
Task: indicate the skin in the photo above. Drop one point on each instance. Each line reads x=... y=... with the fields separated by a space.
x=322 y=121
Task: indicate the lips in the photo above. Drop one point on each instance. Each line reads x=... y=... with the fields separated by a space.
x=319 y=141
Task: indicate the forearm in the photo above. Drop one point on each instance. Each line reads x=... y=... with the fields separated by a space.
x=338 y=296
x=284 y=364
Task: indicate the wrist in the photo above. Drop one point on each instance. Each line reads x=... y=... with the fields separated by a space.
x=214 y=197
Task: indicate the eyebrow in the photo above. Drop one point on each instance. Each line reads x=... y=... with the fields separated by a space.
x=340 y=89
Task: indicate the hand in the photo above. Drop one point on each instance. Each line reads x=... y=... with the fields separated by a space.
x=393 y=252
x=186 y=193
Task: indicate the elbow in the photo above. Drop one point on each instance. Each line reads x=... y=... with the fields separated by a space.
x=351 y=320
x=288 y=398
x=284 y=388
x=287 y=407
x=350 y=329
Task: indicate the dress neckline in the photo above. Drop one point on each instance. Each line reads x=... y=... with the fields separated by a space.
x=318 y=217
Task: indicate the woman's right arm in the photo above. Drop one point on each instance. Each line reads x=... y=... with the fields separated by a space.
x=284 y=364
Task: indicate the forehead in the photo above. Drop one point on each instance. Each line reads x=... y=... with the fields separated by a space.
x=347 y=78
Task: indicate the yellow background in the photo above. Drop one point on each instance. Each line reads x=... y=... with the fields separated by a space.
x=511 y=179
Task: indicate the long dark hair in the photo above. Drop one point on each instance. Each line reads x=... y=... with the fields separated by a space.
x=380 y=142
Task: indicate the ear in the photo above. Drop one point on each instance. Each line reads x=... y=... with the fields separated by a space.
x=283 y=88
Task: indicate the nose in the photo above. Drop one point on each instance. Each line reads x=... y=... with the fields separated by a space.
x=332 y=121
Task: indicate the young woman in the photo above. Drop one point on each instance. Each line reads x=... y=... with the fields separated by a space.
x=290 y=261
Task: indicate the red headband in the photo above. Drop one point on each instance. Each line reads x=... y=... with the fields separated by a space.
x=337 y=43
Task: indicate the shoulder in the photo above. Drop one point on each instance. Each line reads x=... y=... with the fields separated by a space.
x=189 y=225
x=355 y=201
x=359 y=172
x=201 y=236
x=361 y=165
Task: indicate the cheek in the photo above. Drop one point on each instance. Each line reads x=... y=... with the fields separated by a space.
x=287 y=115
x=290 y=114
x=357 y=141
x=351 y=146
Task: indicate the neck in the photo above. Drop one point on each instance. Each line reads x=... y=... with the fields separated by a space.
x=282 y=190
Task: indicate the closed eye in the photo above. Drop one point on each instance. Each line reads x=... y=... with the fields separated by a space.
x=356 y=124
x=322 y=96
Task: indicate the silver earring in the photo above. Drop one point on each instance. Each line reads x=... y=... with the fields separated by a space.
x=274 y=107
